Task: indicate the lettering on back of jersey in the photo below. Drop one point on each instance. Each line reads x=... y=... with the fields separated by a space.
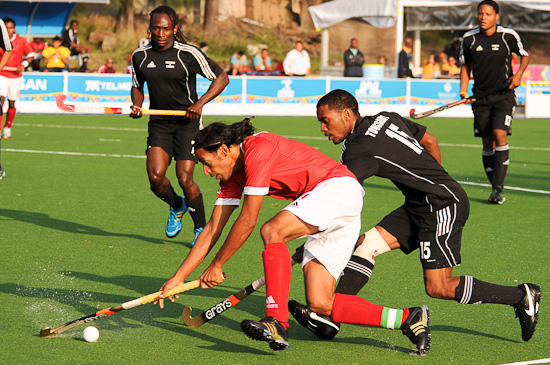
x=376 y=126
x=394 y=132
x=170 y=64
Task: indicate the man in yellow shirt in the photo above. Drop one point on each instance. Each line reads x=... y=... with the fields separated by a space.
x=56 y=57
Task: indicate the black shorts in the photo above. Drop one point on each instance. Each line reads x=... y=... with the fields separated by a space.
x=494 y=112
x=174 y=136
x=438 y=233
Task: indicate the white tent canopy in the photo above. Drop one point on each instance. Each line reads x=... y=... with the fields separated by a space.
x=389 y=13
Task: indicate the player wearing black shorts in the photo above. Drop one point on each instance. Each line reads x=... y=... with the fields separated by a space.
x=487 y=52
x=432 y=217
x=170 y=66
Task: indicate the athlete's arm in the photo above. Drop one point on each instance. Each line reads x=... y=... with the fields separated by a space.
x=241 y=230
x=465 y=72
x=205 y=242
x=137 y=101
x=429 y=142
x=5 y=58
x=516 y=79
x=215 y=89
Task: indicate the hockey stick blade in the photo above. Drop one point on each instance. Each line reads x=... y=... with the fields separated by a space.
x=230 y=301
x=48 y=331
x=62 y=105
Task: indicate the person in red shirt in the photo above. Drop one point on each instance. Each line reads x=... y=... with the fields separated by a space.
x=10 y=76
x=326 y=207
x=37 y=46
x=107 y=68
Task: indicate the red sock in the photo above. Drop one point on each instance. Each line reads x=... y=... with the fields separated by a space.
x=278 y=271
x=356 y=310
x=1 y=117
x=9 y=119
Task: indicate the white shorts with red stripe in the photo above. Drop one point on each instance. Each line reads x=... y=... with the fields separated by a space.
x=335 y=207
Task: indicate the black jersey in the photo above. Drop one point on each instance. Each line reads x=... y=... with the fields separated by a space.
x=5 y=43
x=491 y=57
x=387 y=145
x=171 y=75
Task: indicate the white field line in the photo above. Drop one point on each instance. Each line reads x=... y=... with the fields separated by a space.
x=142 y=156
x=530 y=362
x=317 y=138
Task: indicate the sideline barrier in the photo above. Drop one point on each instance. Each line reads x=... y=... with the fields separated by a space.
x=251 y=95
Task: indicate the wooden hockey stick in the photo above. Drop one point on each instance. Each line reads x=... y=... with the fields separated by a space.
x=222 y=306
x=48 y=331
x=60 y=101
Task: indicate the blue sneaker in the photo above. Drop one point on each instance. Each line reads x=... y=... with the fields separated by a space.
x=173 y=226
x=197 y=232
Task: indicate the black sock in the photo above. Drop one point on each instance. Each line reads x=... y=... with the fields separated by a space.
x=196 y=210
x=473 y=291
x=502 y=155
x=169 y=196
x=489 y=164
x=356 y=274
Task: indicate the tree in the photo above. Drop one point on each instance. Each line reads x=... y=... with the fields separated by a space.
x=125 y=17
x=211 y=8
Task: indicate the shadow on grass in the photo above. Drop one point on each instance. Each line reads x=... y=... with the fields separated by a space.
x=44 y=220
x=468 y=331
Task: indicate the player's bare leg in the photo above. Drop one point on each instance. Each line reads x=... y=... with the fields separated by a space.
x=157 y=164
x=192 y=193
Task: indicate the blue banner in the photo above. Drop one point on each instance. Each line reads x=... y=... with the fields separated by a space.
x=274 y=90
x=373 y=91
x=41 y=86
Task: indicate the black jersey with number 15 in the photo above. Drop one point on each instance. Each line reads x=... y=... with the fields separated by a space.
x=387 y=145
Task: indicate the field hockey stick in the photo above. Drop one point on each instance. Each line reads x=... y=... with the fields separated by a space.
x=48 y=331
x=222 y=306
x=60 y=101
x=458 y=102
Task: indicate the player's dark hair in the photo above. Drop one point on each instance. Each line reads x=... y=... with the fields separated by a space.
x=7 y=19
x=163 y=9
x=339 y=100
x=491 y=3
x=218 y=133
x=73 y=21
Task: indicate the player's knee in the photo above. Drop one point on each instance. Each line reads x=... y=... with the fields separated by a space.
x=372 y=245
x=320 y=305
x=438 y=290
x=156 y=178
x=270 y=233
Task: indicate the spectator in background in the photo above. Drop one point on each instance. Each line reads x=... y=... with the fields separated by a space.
x=262 y=61
x=453 y=49
x=444 y=63
x=11 y=76
x=431 y=69
x=69 y=39
x=107 y=68
x=353 y=60
x=453 y=67
x=297 y=61
x=238 y=62
x=56 y=57
x=37 y=46
x=404 y=64
x=382 y=60
x=128 y=69
x=204 y=47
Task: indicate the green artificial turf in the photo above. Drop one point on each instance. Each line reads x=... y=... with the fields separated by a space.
x=80 y=231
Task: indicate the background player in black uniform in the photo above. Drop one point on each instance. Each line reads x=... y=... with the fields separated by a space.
x=170 y=67
x=487 y=51
x=431 y=219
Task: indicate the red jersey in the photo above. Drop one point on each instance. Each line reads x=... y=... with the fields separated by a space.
x=104 y=69
x=20 y=48
x=278 y=167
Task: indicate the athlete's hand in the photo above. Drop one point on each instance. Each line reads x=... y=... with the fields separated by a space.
x=194 y=111
x=168 y=285
x=136 y=112
x=515 y=81
x=212 y=276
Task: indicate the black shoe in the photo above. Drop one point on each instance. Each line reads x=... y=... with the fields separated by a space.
x=323 y=326
x=268 y=329
x=417 y=330
x=527 y=310
x=496 y=197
